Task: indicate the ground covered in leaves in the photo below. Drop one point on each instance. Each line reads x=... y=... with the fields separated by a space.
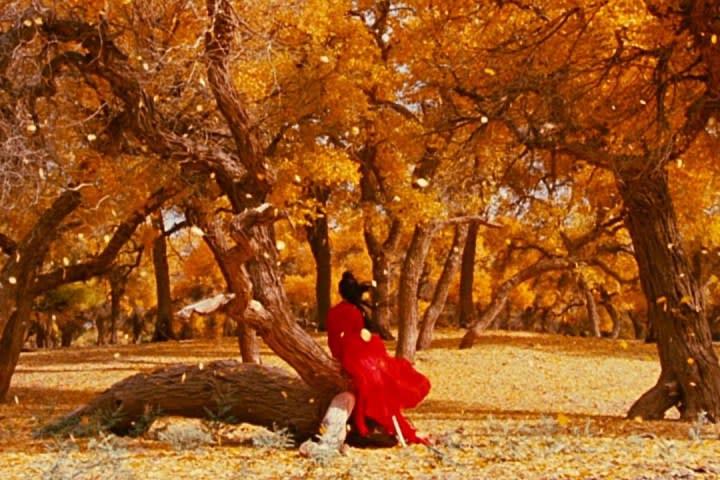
x=516 y=406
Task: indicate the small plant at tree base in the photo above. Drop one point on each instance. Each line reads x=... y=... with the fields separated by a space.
x=105 y=459
x=186 y=436
x=103 y=420
x=695 y=431
x=273 y=439
x=143 y=424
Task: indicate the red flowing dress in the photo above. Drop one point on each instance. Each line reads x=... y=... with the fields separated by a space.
x=384 y=385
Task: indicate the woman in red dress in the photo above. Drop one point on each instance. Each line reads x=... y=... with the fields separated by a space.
x=384 y=385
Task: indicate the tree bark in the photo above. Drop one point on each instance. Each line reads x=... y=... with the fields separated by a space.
x=466 y=312
x=606 y=302
x=319 y=240
x=117 y=289
x=382 y=251
x=450 y=268
x=18 y=278
x=240 y=392
x=408 y=292
x=500 y=296
x=163 y=322
x=383 y=300
x=591 y=307
x=675 y=303
x=231 y=261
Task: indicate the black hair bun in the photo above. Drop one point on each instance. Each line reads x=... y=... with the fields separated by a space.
x=350 y=289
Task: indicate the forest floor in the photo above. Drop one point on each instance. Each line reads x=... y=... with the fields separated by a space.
x=516 y=406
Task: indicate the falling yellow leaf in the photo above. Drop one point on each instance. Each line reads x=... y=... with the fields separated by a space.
x=422 y=183
x=12 y=280
x=661 y=300
x=714 y=39
x=184 y=376
x=284 y=394
x=691 y=361
x=365 y=334
x=489 y=71
x=623 y=344
x=201 y=366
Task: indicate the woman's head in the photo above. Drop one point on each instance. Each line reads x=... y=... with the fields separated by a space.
x=350 y=289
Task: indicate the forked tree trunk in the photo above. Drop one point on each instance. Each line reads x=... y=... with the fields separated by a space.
x=408 y=292
x=450 y=268
x=466 y=311
x=500 y=296
x=690 y=376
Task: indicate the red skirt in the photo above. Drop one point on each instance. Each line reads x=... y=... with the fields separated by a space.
x=383 y=385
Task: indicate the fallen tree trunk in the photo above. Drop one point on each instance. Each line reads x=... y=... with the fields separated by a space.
x=224 y=390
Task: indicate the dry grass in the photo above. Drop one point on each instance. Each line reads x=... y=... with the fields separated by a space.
x=515 y=406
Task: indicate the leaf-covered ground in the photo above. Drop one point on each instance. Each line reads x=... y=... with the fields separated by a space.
x=516 y=406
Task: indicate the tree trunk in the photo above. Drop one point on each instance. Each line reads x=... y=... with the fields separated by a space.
x=319 y=240
x=163 y=322
x=676 y=307
x=497 y=304
x=117 y=289
x=278 y=327
x=239 y=392
x=231 y=262
x=450 y=268
x=383 y=300
x=17 y=279
x=408 y=292
x=612 y=312
x=466 y=311
x=591 y=307
x=11 y=342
